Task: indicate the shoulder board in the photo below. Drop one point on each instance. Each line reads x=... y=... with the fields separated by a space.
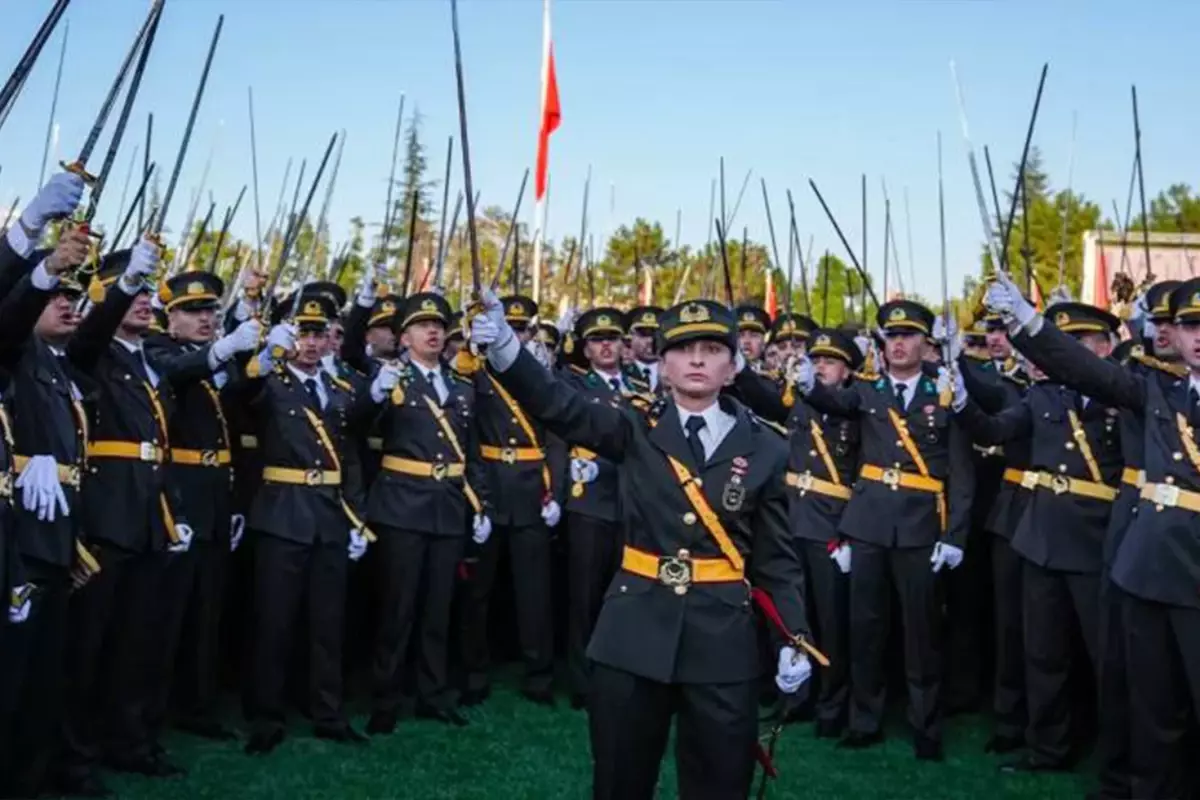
x=1016 y=378
x=458 y=376
x=345 y=386
x=576 y=369
x=1178 y=370
x=869 y=377
x=656 y=410
x=772 y=426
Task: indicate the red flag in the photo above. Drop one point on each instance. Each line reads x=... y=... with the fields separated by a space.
x=551 y=110
x=1101 y=278
x=771 y=302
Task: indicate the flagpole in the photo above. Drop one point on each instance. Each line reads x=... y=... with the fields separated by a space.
x=539 y=225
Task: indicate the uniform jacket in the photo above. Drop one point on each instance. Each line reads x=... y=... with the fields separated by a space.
x=814 y=515
x=599 y=499
x=128 y=503
x=286 y=438
x=1059 y=530
x=409 y=429
x=708 y=634
x=903 y=517
x=1159 y=558
x=199 y=425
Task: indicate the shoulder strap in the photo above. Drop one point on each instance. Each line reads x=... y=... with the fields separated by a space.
x=818 y=437
x=1085 y=447
x=906 y=439
x=216 y=403
x=452 y=437
x=1188 y=437
x=331 y=451
x=712 y=523
x=513 y=406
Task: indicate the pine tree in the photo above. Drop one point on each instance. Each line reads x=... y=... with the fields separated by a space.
x=411 y=183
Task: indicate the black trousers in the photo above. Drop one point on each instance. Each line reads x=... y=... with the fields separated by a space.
x=1113 y=744
x=593 y=556
x=1058 y=607
x=629 y=719
x=1008 y=689
x=968 y=622
x=874 y=572
x=177 y=574
x=1162 y=650
x=417 y=588
x=285 y=575
x=529 y=551
x=31 y=671
x=829 y=604
x=112 y=653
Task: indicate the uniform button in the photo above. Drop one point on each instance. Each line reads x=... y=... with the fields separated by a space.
x=1062 y=467
x=899 y=443
x=699 y=481
x=512 y=440
x=317 y=463
x=624 y=588
x=1070 y=445
x=514 y=419
x=441 y=435
x=440 y=456
x=1177 y=456
x=689 y=518
x=812 y=453
x=1169 y=479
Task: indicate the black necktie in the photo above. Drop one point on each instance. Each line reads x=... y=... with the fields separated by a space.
x=900 y=387
x=694 y=425
x=615 y=384
x=310 y=386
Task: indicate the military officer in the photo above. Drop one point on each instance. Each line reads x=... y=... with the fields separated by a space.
x=455 y=338
x=133 y=518
x=1075 y=469
x=594 y=533
x=513 y=448
x=907 y=519
x=431 y=490
x=790 y=333
x=642 y=324
x=305 y=518
x=191 y=596
x=822 y=464
x=1153 y=572
x=753 y=324
x=676 y=633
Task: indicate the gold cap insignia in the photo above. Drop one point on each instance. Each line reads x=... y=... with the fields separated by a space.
x=749 y=317
x=788 y=326
x=1196 y=299
x=897 y=314
x=823 y=341
x=515 y=309
x=649 y=319
x=1062 y=318
x=313 y=309
x=693 y=312
x=388 y=308
x=196 y=287
x=429 y=305
x=603 y=320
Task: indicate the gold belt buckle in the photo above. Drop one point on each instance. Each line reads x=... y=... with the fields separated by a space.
x=676 y=571
x=71 y=476
x=313 y=477
x=804 y=481
x=1029 y=479
x=1166 y=495
x=146 y=451
x=891 y=477
x=1060 y=484
x=508 y=455
x=208 y=458
x=438 y=471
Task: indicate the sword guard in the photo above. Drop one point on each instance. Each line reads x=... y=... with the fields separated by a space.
x=77 y=168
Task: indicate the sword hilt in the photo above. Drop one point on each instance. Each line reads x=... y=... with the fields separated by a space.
x=80 y=169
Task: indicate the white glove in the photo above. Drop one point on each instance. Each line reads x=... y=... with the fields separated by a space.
x=551 y=513
x=800 y=373
x=794 y=669
x=283 y=337
x=41 y=491
x=583 y=470
x=365 y=294
x=1061 y=294
x=539 y=351
x=1004 y=298
x=566 y=320
x=244 y=309
x=945 y=555
x=58 y=199
x=184 y=534
x=358 y=545
x=237 y=527
x=841 y=557
x=481 y=528
x=243 y=339
x=20 y=604
x=957 y=386
x=385 y=381
x=863 y=343
x=739 y=361
x=142 y=264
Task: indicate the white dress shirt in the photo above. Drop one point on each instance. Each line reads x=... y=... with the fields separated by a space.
x=315 y=377
x=651 y=370
x=609 y=377
x=434 y=377
x=910 y=387
x=717 y=425
x=137 y=350
x=75 y=393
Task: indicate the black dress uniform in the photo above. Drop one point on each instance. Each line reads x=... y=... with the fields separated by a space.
x=995 y=389
x=192 y=594
x=310 y=498
x=822 y=464
x=676 y=633
x=513 y=448
x=132 y=521
x=643 y=321
x=1156 y=565
x=592 y=507
x=430 y=486
x=914 y=490
x=1075 y=468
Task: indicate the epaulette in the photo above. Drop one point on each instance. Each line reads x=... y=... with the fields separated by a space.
x=775 y=427
x=869 y=377
x=1139 y=355
x=458 y=376
x=656 y=410
x=344 y=385
x=577 y=370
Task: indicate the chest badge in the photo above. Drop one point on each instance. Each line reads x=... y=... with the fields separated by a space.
x=733 y=495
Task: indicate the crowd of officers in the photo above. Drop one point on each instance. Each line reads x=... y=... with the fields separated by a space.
x=197 y=485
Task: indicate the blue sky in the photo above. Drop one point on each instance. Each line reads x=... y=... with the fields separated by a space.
x=653 y=93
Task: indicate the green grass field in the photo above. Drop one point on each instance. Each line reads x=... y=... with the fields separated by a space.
x=514 y=750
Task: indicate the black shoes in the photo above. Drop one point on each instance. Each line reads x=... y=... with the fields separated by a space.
x=263 y=742
x=1003 y=744
x=926 y=749
x=382 y=723
x=857 y=740
x=541 y=697
x=829 y=728
x=450 y=716
x=342 y=734
x=475 y=697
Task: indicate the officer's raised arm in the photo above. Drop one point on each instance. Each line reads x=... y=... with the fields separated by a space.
x=555 y=403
